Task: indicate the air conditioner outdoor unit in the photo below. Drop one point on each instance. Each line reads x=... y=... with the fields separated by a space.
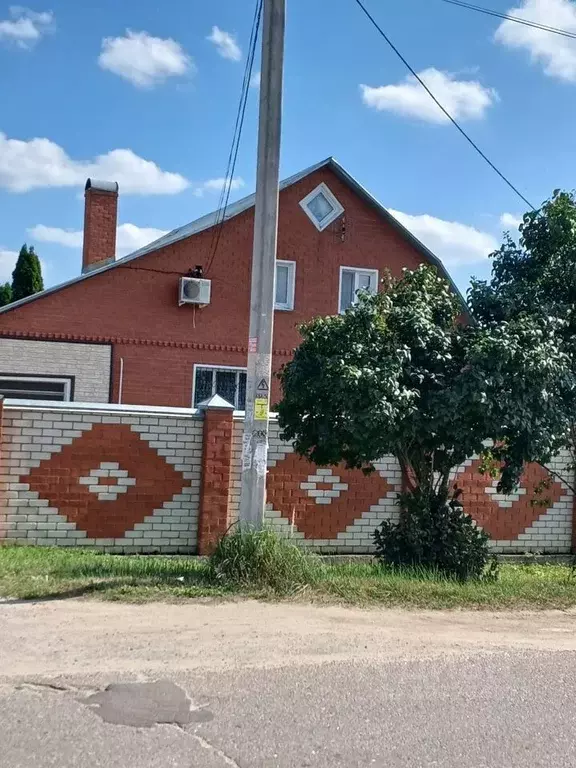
x=194 y=290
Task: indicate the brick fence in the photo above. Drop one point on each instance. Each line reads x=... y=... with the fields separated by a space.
x=143 y=479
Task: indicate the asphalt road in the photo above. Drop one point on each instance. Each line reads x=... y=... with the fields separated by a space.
x=260 y=686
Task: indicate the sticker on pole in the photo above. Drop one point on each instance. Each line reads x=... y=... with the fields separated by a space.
x=260 y=455
x=252 y=344
x=261 y=408
x=262 y=387
x=246 y=451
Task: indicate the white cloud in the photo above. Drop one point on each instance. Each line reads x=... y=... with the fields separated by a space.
x=216 y=185
x=557 y=54
x=510 y=220
x=7 y=263
x=225 y=43
x=143 y=60
x=38 y=163
x=456 y=244
x=255 y=80
x=464 y=99
x=26 y=27
x=68 y=237
x=129 y=237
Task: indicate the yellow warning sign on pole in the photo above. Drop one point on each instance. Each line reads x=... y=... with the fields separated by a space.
x=261 y=408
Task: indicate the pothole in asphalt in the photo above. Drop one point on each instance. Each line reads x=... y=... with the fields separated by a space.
x=144 y=705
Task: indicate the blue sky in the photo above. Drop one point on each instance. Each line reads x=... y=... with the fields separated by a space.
x=146 y=94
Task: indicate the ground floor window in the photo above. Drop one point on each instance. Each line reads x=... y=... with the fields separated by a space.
x=229 y=383
x=29 y=387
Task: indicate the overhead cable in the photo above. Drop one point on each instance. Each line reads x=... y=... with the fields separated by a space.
x=516 y=19
x=441 y=106
x=233 y=156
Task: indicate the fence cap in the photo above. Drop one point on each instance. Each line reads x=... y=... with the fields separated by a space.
x=215 y=402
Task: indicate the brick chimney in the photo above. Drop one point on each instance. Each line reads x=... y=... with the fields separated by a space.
x=100 y=219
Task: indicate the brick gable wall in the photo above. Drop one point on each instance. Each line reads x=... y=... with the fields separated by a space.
x=134 y=307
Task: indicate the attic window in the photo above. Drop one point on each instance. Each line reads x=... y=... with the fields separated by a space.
x=321 y=207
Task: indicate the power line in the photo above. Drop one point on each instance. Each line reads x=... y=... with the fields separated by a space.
x=507 y=17
x=444 y=110
x=233 y=156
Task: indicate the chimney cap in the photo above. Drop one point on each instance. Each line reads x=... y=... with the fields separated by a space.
x=101 y=186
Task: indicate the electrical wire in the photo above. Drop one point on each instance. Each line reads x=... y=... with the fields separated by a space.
x=149 y=269
x=237 y=124
x=444 y=110
x=233 y=156
x=507 y=17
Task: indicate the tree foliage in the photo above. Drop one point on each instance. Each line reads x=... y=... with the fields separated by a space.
x=385 y=378
x=27 y=274
x=400 y=373
x=533 y=290
x=5 y=294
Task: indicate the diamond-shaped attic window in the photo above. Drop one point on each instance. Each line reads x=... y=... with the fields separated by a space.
x=321 y=207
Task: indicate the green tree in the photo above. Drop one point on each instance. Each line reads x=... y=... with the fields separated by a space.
x=27 y=274
x=533 y=285
x=399 y=374
x=5 y=294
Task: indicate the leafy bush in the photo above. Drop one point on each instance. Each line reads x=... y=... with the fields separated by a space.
x=262 y=558
x=433 y=534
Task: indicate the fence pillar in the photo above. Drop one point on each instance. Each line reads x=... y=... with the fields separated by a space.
x=213 y=519
x=3 y=482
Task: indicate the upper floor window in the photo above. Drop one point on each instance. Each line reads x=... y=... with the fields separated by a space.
x=352 y=280
x=321 y=207
x=24 y=387
x=228 y=382
x=285 y=274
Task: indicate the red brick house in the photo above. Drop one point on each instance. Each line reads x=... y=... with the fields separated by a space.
x=117 y=332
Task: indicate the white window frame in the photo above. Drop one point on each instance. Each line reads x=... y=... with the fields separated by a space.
x=289 y=306
x=67 y=381
x=237 y=368
x=356 y=270
x=338 y=208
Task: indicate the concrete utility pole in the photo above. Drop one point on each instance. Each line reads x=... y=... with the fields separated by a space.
x=255 y=440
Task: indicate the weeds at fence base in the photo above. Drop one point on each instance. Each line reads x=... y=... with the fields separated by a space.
x=246 y=557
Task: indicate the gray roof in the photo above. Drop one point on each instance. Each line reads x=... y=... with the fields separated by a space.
x=210 y=219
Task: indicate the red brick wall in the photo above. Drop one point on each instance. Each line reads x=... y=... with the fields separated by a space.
x=135 y=307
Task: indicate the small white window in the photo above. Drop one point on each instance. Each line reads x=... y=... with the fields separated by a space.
x=353 y=280
x=228 y=382
x=321 y=207
x=33 y=387
x=285 y=273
